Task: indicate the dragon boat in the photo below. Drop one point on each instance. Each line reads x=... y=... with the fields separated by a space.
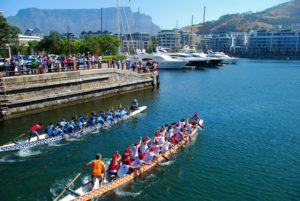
x=44 y=139
x=85 y=192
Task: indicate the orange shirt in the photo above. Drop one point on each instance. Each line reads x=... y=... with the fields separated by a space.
x=97 y=166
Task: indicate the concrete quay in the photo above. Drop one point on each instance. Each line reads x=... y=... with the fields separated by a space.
x=21 y=95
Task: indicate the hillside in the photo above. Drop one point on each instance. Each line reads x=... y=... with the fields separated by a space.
x=284 y=14
x=82 y=20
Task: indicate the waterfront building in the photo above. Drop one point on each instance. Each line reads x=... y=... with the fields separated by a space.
x=24 y=39
x=169 y=39
x=33 y=32
x=280 y=43
x=137 y=40
x=222 y=42
x=240 y=42
x=187 y=38
x=85 y=34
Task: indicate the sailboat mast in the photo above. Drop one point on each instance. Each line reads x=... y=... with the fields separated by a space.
x=118 y=20
x=101 y=28
x=191 y=36
x=203 y=46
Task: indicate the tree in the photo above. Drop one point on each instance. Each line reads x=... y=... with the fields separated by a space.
x=153 y=44
x=109 y=45
x=50 y=43
x=8 y=33
x=32 y=46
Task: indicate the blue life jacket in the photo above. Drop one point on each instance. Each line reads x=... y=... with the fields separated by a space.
x=50 y=130
x=58 y=131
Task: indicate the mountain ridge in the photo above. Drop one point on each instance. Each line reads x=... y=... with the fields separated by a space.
x=80 y=20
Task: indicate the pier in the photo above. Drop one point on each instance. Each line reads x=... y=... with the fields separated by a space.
x=21 y=95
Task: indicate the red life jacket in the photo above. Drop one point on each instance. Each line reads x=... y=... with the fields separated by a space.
x=128 y=161
x=114 y=165
x=35 y=127
x=125 y=156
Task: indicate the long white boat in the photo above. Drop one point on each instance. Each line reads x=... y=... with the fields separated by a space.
x=44 y=139
x=225 y=58
x=86 y=193
x=165 y=61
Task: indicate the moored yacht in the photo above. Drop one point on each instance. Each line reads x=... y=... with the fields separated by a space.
x=164 y=60
x=221 y=55
x=191 y=61
x=213 y=61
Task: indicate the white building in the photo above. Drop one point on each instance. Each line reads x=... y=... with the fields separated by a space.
x=23 y=39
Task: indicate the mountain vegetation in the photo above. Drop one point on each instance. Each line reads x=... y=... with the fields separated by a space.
x=80 y=20
x=282 y=15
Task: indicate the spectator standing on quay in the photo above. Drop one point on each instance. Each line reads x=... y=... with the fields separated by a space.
x=93 y=61
x=100 y=62
x=21 y=65
x=45 y=61
x=49 y=64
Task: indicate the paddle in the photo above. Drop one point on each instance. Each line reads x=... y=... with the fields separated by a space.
x=165 y=157
x=68 y=185
x=199 y=124
x=16 y=139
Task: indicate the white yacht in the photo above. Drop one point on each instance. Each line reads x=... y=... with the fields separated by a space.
x=213 y=61
x=164 y=60
x=191 y=61
x=221 y=55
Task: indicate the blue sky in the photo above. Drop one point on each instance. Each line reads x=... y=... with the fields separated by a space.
x=164 y=13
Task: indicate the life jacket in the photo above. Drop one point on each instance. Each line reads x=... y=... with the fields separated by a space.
x=35 y=127
x=97 y=166
x=124 y=157
x=114 y=165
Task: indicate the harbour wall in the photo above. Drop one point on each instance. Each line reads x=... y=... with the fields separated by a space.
x=21 y=95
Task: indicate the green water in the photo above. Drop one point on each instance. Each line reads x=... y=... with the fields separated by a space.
x=248 y=150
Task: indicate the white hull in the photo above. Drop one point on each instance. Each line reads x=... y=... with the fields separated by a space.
x=165 y=61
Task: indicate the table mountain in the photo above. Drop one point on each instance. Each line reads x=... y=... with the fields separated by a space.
x=82 y=20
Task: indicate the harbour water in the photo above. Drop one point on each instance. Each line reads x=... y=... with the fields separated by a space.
x=249 y=148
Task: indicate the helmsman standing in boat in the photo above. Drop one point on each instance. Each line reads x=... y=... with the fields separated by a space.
x=134 y=105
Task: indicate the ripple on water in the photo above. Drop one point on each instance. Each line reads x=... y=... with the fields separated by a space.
x=122 y=193
x=27 y=153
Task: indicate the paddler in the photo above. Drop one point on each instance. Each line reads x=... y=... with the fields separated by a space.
x=150 y=155
x=98 y=169
x=126 y=166
x=144 y=145
x=135 y=149
x=50 y=129
x=114 y=163
x=197 y=118
x=34 y=130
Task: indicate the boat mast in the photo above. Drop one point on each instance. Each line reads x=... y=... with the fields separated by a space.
x=118 y=25
x=101 y=27
x=191 y=36
x=202 y=44
x=118 y=20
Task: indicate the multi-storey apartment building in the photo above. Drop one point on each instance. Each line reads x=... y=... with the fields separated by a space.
x=221 y=42
x=169 y=39
x=284 y=42
x=138 y=40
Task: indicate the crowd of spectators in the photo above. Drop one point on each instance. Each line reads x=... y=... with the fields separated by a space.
x=26 y=65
